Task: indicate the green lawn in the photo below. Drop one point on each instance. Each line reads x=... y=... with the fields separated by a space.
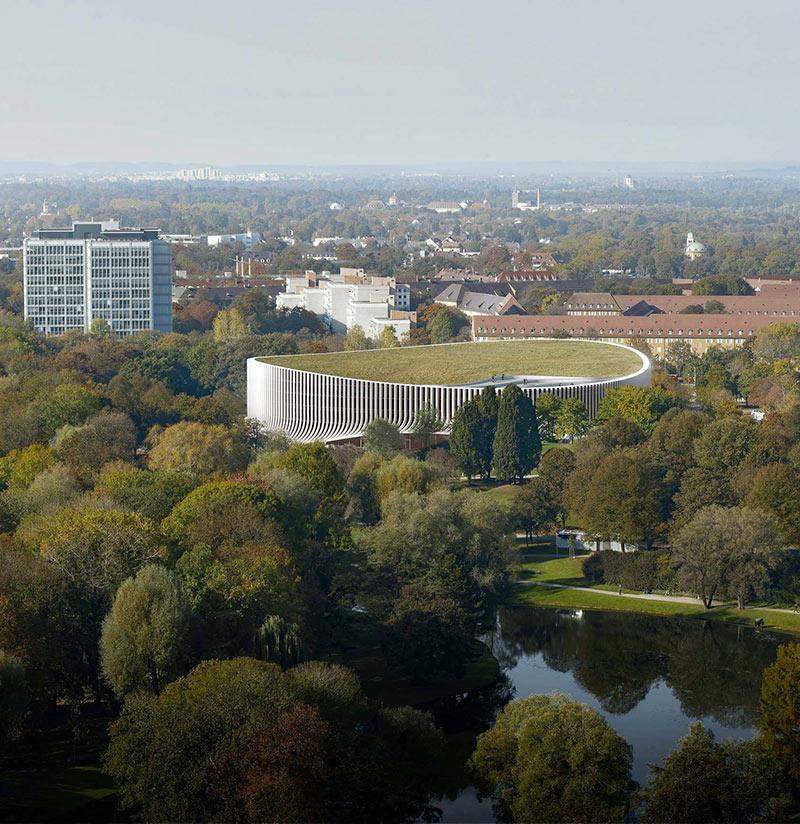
x=55 y=774
x=461 y=363
x=69 y=793
x=568 y=572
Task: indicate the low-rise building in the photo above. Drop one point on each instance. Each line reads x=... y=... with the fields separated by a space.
x=479 y=303
x=247 y=239
x=346 y=298
x=659 y=331
x=777 y=302
x=445 y=207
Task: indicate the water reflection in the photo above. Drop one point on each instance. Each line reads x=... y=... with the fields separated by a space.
x=650 y=677
x=713 y=670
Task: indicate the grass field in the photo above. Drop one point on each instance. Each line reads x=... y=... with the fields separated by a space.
x=56 y=774
x=461 y=363
x=568 y=572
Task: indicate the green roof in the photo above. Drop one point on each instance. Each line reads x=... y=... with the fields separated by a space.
x=461 y=363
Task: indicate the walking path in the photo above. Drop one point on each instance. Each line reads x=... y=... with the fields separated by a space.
x=675 y=599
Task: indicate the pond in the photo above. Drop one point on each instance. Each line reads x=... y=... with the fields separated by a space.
x=649 y=677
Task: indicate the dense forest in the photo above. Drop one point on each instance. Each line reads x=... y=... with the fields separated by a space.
x=223 y=617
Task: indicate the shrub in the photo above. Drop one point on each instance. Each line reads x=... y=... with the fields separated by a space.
x=633 y=570
x=593 y=567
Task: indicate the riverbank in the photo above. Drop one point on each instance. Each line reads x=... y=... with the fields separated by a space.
x=545 y=581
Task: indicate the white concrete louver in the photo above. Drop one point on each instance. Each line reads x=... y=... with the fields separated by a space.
x=311 y=406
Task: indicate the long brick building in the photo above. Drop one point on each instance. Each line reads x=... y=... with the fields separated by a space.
x=658 y=330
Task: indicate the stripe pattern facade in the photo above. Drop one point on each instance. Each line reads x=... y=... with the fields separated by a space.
x=312 y=406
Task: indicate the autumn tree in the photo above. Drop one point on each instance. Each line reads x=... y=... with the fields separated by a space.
x=427 y=423
x=428 y=633
x=144 y=636
x=91 y=552
x=623 y=499
x=356 y=339
x=239 y=740
x=199 y=450
x=388 y=339
x=151 y=493
x=779 y=721
x=640 y=405
x=547 y=406
x=723 y=444
x=455 y=540
x=225 y=514
x=382 y=437
x=446 y=325
x=703 y=780
x=549 y=758
x=230 y=325
x=554 y=471
x=186 y=754
x=313 y=461
x=404 y=474
x=105 y=437
x=725 y=549
x=774 y=490
x=571 y=420
x=534 y=507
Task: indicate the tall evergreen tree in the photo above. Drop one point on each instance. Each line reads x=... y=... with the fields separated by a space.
x=488 y=406
x=426 y=424
x=517 y=444
x=466 y=438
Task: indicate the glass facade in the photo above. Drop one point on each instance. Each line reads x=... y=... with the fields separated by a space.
x=71 y=282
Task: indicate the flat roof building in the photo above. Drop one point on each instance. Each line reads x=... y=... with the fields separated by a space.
x=98 y=271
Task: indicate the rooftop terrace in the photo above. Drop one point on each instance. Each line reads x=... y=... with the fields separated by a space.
x=466 y=363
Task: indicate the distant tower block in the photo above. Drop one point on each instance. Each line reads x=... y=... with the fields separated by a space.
x=515 y=200
x=630 y=183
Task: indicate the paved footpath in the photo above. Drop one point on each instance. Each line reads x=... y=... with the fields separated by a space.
x=675 y=599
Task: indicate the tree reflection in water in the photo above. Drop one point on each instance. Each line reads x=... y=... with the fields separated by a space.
x=713 y=669
x=692 y=668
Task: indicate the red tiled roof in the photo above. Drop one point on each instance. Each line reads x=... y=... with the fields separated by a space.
x=620 y=326
x=775 y=302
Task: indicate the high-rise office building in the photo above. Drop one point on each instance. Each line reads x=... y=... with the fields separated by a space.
x=98 y=271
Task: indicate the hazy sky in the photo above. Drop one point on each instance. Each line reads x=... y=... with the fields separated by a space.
x=408 y=81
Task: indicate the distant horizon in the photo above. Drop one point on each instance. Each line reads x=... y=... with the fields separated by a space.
x=608 y=166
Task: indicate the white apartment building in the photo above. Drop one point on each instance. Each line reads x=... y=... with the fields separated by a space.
x=97 y=271
x=377 y=325
x=201 y=173
x=346 y=299
x=247 y=239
